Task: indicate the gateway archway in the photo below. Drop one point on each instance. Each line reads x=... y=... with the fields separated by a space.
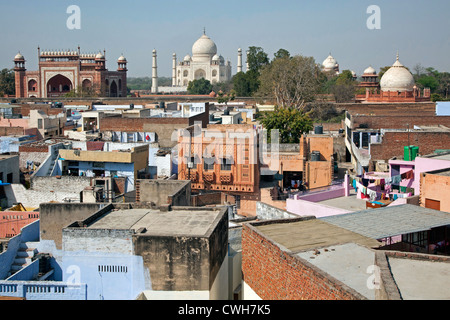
x=58 y=86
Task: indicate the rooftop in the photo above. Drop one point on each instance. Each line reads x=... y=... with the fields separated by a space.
x=350 y=203
x=390 y=221
x=438 y=156
x=177 y=222
x=412 y=277
x=312 y=234
x=347 y=263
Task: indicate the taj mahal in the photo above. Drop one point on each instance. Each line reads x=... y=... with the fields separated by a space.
x=205 y=62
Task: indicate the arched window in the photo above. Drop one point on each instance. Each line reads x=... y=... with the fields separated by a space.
x=32 y=85
x=200 y=73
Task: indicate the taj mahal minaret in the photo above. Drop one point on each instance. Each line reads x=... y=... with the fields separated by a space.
x=154 y=74
x=239 y=64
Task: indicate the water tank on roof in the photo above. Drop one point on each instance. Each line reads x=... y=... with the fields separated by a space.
x=226 y=112
x=410 y=153
x=315 y=156
x=318 y=129
x=162 y=104
x=211 y=117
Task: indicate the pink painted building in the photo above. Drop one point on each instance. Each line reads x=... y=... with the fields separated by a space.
x=12 y=221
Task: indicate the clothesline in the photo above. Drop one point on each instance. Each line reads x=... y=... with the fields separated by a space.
x=375 y=195
x=383 y=181
x=361 y=184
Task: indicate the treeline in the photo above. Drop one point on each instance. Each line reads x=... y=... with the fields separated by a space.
x=145 y=83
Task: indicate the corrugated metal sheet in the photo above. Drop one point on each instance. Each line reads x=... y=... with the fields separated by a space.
x=390 y=221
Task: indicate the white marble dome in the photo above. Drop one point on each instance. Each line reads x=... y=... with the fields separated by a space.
x=397 y=78
x=330 y=63
x=370 y=70
x=187 y=58
x=19 y=56
x=99 y=56
x=204 y=47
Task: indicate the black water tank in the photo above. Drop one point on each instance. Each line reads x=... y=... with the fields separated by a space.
x=211 y=117
x=315 y=156
x=318 y=129
x=226 y=112
x=162 y=104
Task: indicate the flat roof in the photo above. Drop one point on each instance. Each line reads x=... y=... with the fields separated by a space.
x=171 y=223
x=311 y=234
x=347 y=263
x=350 y=203
x=390 y=221
x=421 y=279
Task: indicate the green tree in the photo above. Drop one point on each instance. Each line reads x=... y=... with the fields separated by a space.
x=282 y=53
x=241 y=84
x=256 y=59
x=344 y=88
x=7 y=82
x=199 y=86
x=225 y=97
x=290 y=81
x=291 y=123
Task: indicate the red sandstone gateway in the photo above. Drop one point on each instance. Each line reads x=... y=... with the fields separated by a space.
x=64 y=71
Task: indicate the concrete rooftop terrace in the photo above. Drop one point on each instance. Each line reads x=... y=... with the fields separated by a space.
x=419 y=279
x=156 y=222
x=312 y=234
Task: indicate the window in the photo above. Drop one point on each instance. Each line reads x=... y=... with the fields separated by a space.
x=105 y=268
x=190 y=164
x=39 y=123
x=226 y=164
x=208 y=164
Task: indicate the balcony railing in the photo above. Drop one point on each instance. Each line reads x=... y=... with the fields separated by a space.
x=226 y=177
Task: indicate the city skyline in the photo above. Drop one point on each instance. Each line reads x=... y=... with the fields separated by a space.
x=416 y=29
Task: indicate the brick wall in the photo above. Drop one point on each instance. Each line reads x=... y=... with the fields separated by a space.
x=199 y=200
x=425 y=109
x=399 y=122
x=11 y=131
x=275 y=274
x=394 y=142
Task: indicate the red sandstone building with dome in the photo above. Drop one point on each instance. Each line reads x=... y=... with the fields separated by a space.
x=396 y=85
x=61 y=72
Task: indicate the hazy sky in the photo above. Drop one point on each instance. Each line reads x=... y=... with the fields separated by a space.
x=418 y=29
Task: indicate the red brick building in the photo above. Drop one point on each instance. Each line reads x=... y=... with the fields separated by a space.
x=63 y=71
x=221 y=158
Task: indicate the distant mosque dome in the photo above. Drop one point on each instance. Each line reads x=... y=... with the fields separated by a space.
x=187 y=58
x=204 y=48
x=330 y=63
x=99 y=56
x=122 y=59
x=397 y=78
x=370 y=70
